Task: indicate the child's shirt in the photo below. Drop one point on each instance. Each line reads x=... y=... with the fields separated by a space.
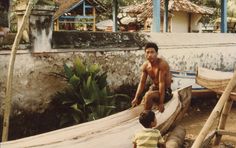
x=148 y=138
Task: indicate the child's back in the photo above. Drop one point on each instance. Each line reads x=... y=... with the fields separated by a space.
x=148 y=137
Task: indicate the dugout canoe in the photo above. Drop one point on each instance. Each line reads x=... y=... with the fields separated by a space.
x=114 y=131
x=214 y=80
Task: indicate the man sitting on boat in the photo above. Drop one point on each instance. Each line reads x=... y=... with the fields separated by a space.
x=159 y=71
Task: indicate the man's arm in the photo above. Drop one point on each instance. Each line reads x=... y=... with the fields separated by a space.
x=140 y=88
x=162 y=89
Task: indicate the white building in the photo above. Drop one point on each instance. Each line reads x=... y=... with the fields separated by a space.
x=184 y=16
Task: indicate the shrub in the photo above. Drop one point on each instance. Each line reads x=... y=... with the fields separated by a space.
x=87 y=97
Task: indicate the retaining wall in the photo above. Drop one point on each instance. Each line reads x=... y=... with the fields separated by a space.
x=121 y=57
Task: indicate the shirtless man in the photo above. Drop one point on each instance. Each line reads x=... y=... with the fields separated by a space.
x=159 y=72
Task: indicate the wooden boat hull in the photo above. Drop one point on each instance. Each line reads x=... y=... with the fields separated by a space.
x=214 y=80
x=114 y=131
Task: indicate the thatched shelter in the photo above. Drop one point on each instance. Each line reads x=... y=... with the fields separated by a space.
x=178 y=9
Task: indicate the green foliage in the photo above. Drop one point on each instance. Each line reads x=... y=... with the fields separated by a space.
x=109 y=6
x=86 y=98
x=206 y=19
x=122 y=2
x=4 y=19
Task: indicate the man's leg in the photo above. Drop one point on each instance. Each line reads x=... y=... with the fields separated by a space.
x=150 y=98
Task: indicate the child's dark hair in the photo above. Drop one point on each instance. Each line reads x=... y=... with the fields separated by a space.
x=151 y=45
x=146 y=118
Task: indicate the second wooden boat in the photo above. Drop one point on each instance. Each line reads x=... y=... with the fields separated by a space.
x=214 y=80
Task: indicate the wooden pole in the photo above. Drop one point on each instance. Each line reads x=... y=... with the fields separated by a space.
x=94 y=19
x=166 y=16
x=156 y=18
x=224 y=132
x=57 y=24
x=114 y=15
x=7 y=101
x=223 y=22
x=223 y=118
x=215 y=113
x=170 y=24
x=208 y=138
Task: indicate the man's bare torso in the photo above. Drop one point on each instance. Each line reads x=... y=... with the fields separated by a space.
x=154 y=70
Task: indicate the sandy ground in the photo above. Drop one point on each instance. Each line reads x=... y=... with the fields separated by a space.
x=196 y=118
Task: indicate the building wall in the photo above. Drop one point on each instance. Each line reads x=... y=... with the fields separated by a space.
x=180 y=22
x=34 y=82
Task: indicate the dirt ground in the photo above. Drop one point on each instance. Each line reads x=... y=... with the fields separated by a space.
x=198 y=114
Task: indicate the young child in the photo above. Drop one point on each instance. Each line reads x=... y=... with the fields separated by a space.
x=148 y=137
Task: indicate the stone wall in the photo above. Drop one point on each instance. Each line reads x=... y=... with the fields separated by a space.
x=34 y=82
x=96 y=40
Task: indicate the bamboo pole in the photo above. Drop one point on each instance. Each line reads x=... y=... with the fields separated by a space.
x=223 y=118
x=215 y=113
x=224 y=132
x=7 y=101
x=208 y=139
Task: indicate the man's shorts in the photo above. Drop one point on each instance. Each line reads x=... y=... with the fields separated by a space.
x=168 y=92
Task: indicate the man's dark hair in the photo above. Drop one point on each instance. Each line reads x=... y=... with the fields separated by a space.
x=151 y=45
x=146 y=118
